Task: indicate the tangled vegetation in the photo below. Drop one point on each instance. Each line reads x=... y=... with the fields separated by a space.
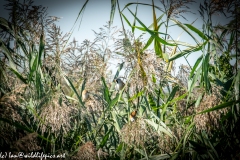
x=191 y=115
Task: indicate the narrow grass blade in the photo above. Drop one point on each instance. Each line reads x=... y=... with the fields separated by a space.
x=221 y=106
x=41 y=49
x=74 y=89
x=8 y=54
x=113 y=8
x=81 y=12
x=134 y=21
x=188 y=51
x=158 y=48
x=24 y=80
x=23 y=46
x=149 y=42
x=139 y=94
x=201 y=34
x=172 y=94
x=152 y=33
x=144 y=4
x=33 y=68
x=114 y=100
x=195 y=66
x=105 y=138
x=125 y=18
x=185 y=29
x=205 y=71
x=158 y=127
x=106 y=92
x=116 y=122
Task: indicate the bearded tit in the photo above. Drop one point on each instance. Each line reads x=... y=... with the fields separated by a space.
x=85 y=95
x=133 y=116
x=120 y=84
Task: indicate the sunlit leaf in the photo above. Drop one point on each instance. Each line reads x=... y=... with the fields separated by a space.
x=201 y=34
x=158 y=127
x=187 y=51
x=136 y=95
x=149 y=42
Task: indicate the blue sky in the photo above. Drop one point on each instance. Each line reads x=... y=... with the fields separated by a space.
x=97 y=13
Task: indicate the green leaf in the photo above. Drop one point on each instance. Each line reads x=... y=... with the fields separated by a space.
x=8 y=54
x=185 y=29
x=151 y=102
x=176 y=42
x=7 y=26
x=22 y=45
x=237 y=86
x=154 y=78
x=33 y=68
x=105 y=138
x=106 y=91
x=187 y=51
x=24 y=80
x=155 y=35
x=41 y=48
x=205 y=71
x=74 y=89
x=136 y=95
x=119 y=148
x=146 y=4
x=140 y=28
x=158 y=127
x=152 y=33
x=197 y=146
x=201 y=34
x=114 y=100
x=179 y=98
x=113 y=8
x=195 y=66
x=127 y=20
x=221 y=106
x=116 y=122
x=158 y=48
x=81 y=12
x=83 y=85
x=172 y=94
x=187 y=120
x=155 y=25
x=134 y=22
x=149 y=42
x=158 y=19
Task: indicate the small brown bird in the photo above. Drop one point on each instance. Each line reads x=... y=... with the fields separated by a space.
x=120 y=84
x=85 y=95
x=133 y=116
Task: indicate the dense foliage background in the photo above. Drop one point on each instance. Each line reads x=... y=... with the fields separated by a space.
x=193 y=115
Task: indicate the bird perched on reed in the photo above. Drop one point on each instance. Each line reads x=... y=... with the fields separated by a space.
x=120 y=84
x=85 y=95
x=133 y=116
